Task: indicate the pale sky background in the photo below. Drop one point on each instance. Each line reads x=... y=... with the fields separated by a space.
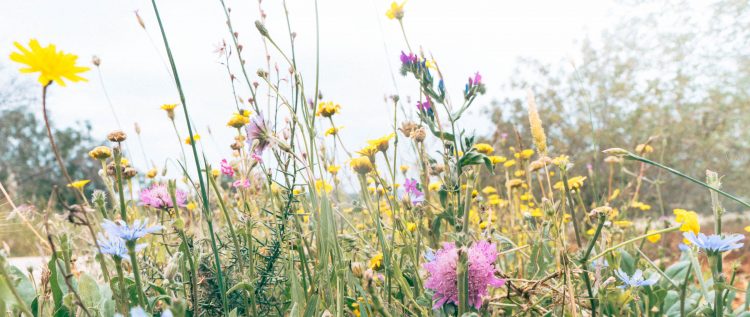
x=359 y=50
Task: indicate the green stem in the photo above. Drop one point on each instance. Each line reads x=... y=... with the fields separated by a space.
x=204 y=192
x=678 y=173
x=137 y=274
x=123 y=295
x=603 y=253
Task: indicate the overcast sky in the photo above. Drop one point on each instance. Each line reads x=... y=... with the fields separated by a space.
x=359 y=50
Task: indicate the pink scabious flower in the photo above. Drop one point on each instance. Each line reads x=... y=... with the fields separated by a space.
x=444 y=282
x=226 y=169
x=157 y=196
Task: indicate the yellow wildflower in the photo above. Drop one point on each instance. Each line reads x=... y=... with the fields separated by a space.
x=376 y=262
x=245 y=113
x=489 y=190
x=79 y=184
x=168 y=106
x=361 y=165
x=688 y=219
x=484 y=148
x=334 y=169
x=640 y=205
x=535 y=123
x=51 y=64
x=396 y=11
x=196 y=137
x=191 y=206
x=644 y=149
x=509 y=163
x=526 y=154
x=333 y=131
x=382 y=143
x=496 y=159
x=537 y=212
x=574 y=183
x=614 y=195
x=151 y=173
x=215 y=172
x=404 y=168
x=100 y=153
x=327 y=109
x=411 y=227
x=483 y=225
x=434 y=186
x=321 y=185
x=368 y=151
x=622 y=223
x=238 y=121
x=654 y=238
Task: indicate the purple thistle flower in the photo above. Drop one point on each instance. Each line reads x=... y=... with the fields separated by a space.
x=226 y=169
x=444 y=282
x=157 y=196
x=714 y=243
x=257 y=134
x=477 y=79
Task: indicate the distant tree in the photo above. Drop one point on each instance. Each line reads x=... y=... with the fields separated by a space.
x=27 y=164
x=673 y=70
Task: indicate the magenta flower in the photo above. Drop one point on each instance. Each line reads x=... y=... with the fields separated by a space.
x=444 y=282
x=424 y=106
x=226 y=169
x=157 y=196
x=408 y=59
x=256 y=157
x=411 y=187
x=476 y=81
x=244 y=183
x=257 y=134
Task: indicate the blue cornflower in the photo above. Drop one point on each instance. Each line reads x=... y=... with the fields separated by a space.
x=715 y=243
x=636 y=280
x=129 y=233
x=116 y=247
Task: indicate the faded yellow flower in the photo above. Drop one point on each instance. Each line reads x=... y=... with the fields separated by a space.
x=396 y=11
x=100 y=153
x=321 y=185
x=361 y=165
x=509 y=163
x=623 y=223
x=151 y=173
x=489 y=190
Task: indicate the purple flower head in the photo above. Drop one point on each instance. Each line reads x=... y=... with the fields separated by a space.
x=257 y=134
x=257 y=157
x=443 y=279
x=714 y=243
x=636 y=280
x=157 y=196
x=226 y=169
x=411 y=186
x=408 y=59
x=424 y=106
x=477 y=79
x=127 y=232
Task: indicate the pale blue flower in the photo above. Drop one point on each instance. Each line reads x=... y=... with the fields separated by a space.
x=127 y=232
x=636 y=280
x=116 y=247
x=715 y=243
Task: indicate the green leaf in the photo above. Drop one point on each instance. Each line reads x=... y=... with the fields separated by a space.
x=677 y=271
x=89 y=291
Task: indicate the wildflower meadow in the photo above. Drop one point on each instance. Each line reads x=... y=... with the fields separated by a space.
x=428 y=219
